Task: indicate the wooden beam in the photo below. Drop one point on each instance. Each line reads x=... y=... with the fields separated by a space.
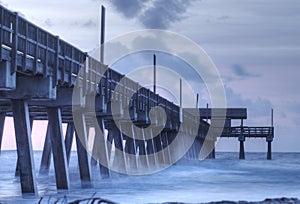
x=63 y=98
x=2 y=121
x=69 y=140
x=110 y=138
x=7 y=79
x=192 y=150
x=17 y=171
x=58 y=148
x=212 y=154
x=150 y=150
x=165 y=145
x=231 y=113
x=143 y=157
x=100 y=149
x=119 y=161
x=242 y=149
x=31 y=88
x=46 y=156
x=158 y=147
x=131 y=148
x=81 y=143
x=24 y=146
x=269 y=153
x=104 y=170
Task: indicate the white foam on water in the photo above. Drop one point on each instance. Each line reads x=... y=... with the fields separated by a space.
x=225 y=178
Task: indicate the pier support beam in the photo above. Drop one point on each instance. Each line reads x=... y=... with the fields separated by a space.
x=2 y=120
x=213 y=154
x=211 y=147
x=24 y=146
x=110 y=138
x=191 y=152
x=143 y=156
x=17 y=171
x=242 y=149
x=199 y=147
x=269 y=153
x=104 y=171
x=46 y=156
x=69 y=140
x=158 y=147
x=100 y=149
x=196 y=147
x=81 y=143
x=58 y=148
x=269 y=140
x=165 y=145
x=152 y=157
x=131 y=148
x=120 y=157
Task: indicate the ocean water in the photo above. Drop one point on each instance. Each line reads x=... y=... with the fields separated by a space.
x=225 y=178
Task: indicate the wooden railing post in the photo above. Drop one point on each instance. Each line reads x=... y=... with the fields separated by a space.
x=56 y=61
x=14 y=44
x=1 y=30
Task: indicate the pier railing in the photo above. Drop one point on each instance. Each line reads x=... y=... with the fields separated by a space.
x=255 y=132
x=32 y=51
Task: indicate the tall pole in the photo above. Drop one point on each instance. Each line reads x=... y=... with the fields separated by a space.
x=180 y=101
x=154 y=74
x=180 y=93
x=102 y=37
x=207 y=111
x=197 y=100
x=272 y=117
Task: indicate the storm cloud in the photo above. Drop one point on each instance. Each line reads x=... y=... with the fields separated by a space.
x=158 y=14
x=241 y=72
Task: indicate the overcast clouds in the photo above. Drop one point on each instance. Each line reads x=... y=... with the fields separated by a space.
x=158 y=14
x=255 y=44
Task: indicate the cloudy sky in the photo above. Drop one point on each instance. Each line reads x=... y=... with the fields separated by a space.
x=255 y=45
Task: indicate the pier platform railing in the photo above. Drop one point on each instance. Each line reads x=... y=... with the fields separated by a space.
x=254 y=132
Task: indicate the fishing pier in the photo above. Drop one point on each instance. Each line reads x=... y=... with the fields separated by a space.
x=38 y=73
